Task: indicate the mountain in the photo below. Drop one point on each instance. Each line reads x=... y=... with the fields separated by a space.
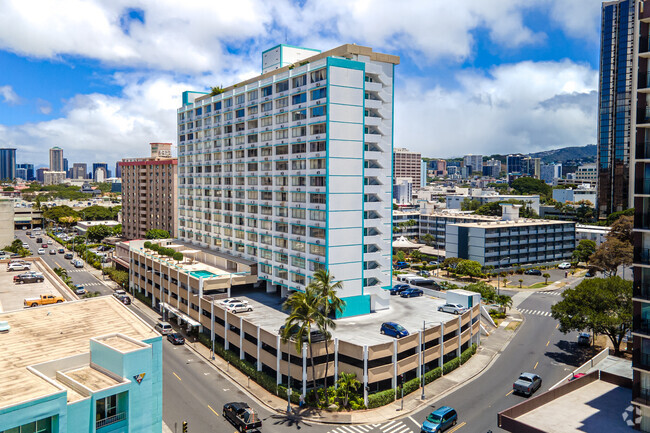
x=582 y=154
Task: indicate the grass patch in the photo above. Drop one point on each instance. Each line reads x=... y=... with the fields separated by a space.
x=513 y=325
x=538 y=285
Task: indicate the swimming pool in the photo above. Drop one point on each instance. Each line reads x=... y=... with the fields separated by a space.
x=202 y=274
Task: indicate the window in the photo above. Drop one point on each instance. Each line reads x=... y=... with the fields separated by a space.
x=281 y=133
x=298 y=181
x=300 y=81
x=227 y=103
x=282 y=165
x=281 y=103
x=318 y=93
x=316 y=232
x=282 y=86
x=318 y=250
x=282 y=150
x=299 y=115
x=317 y=146
x=317 y=198
x=317 y=180
x=298 y=197
x=266 y=254
x=317 y=163
x=318 y=111
x=282 y=118
x=300 y=98
x=266 y=121
x=317 y=215
x=240 y=113
x=106 y=407
x=252 y=95
x=40 y=426
x=298 y=214
x=298 y=246
x=298 y=164
x=240 y=99
x=298 y=147
x=319 y=75
x=281 y=243
x=319 y=128
x=217 y=106
x=266 y=136
x=267 y=91
x=267 y=106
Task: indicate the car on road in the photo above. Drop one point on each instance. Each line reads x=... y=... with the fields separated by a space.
x=533 y=272
x=164 y=328
x=584 y=339
x=67 y=256
x=175 y=338
x=78 y=263
x=242 y=416
x=52 y=252
x=41 y=251
x=452 y=308
x=440 y=420
x=229 y=301
x=61 y=251
x=434 y=263
x=49 y=241
x=564 y=265
x=412 y=292
x=39 y=241
x=398 y=288
x=29 y=277
x=18 y=266
x=527 y=384
x=393 y=329
x=25 y=245
x=79 y=290
x=590 y=273
x=238 y=307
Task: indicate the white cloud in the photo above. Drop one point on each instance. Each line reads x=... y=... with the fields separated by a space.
x=8 y=95
x=43 y=106
x=523 y=107
x=578 y=18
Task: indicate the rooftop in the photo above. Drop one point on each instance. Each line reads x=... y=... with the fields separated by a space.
x=57 y=331
x=521 y=222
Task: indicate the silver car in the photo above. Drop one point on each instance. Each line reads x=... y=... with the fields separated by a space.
x=452 y=308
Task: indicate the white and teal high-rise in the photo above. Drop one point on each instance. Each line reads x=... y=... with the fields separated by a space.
x=293 y=170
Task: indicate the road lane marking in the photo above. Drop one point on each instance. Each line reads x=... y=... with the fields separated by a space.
x=535 y=367
x=177 y=376
x=548 y=342
x=457 y=427
x=557 y=326
x=511 y=391
x=414 y=421
x=213 y=411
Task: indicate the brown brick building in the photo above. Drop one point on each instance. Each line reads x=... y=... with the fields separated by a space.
x=149 y=193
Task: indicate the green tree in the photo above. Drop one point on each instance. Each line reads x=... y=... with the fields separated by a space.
x=520 y=282
x=69 y=220
x=611 y=218
x=488 y=294
x=622 y=229
x=117 y=230
x=611 y=254
x=98 y=213
x=504 y=301
x=470 y=268
x=451 y=262
x=401 y=257
x=58 y=212
x=157 y=234
x=15 y=246
x=584 y=250
x=469 y=204
x=99 y=232
x=546 y=276
x=585 y=213
x=602 y=305
x=347 y=384
x=530 y=185
x=494 y=209
x=428 y=239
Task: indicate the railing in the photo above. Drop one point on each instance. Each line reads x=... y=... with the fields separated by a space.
x=110 y=420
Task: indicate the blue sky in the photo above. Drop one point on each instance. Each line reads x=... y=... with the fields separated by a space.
x=103 y=79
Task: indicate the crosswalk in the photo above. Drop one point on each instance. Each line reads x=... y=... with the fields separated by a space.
x=551 y=292
x=96 y=283
x=389 y=427
x=76 y=270
x=535 y=312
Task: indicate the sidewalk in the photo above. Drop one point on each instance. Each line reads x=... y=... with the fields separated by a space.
x=485 y=355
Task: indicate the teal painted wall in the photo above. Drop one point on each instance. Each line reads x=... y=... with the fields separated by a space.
x=35 y=410
x=80 y=416
x=356 y=306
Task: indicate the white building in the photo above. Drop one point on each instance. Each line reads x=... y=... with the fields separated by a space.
x=53 y=177
x=292 y=170
x=402 y=191
x=456 y=201
x=597 y=234
x=583 y=192
x=587 y=172
x=475 y=161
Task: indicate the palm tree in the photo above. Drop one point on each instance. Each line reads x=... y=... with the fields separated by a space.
x=306 y=313
x=520 y=281
x=504 y=302
x=324 y=284
x=546 y=277
x=347 y=383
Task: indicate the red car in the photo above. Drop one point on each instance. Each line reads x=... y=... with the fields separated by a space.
x=576 y=376
x=44 y=246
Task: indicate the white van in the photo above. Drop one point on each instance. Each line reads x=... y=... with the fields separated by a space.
x=164 y=328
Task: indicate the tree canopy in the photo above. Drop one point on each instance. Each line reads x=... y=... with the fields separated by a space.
x=603 y=305
x=99 y=232
x=494 y=209
x=530 y=185
x=157 y=234
x=617 y=250
x=470 y=268
x=584 y=250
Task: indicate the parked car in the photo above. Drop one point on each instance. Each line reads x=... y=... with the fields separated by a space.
x=533 y=272
x=229 y=301
x=429 y=283
x=242 y=416
x=79 y=290
x=125 y=299
x=25 y=245
x=68 y=256
x=440 y=420
x=564 y=265
x=393 y=329
x=401 y=265
x=452 y=308
x=18 y=266
x=164 y=328
x=434 y=263
x=584 y=339
x=423 y=273
x=52 y=252
x=527 y=384
x=576 y=376
x=43 y=300
x=412 y=292
x=175 y=338
x=398 y=288
x=41 y=251
x=239 y=307
x=590 y=273
x=314 y=336
x=49 y=241
x=29 y=277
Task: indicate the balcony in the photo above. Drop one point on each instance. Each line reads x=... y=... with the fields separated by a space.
x=642 y=186
x=643 y=150
x=110 y=420
x=642 y=256
x=643 y=116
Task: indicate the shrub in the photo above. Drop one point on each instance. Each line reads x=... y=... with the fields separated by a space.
x=467 y=354
x=382 y=398
x=147 y=244
x=411 y=386
x=178 y=256
x=432 y=375
x=497 y=314
x=450 y=366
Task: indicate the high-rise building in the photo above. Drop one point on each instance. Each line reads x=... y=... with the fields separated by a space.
x=149 y=193
x=439 y=166
x=79 y=170
x=118 y=170
x=40 y=176
x=29 y=171
x=97 y=166
x=53 y=177
x=476 y=161
x=492 y=168
x=514 y=164
x=56 y=159
x=587 y=172
x=403 y=191
x=406 y=165
x=550 y=172
x=615 y=91
x=65 y=164
x=276 y=169
x=7 y=163
x=21 y=173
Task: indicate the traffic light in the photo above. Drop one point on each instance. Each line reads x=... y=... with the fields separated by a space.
x=400 y=380
x=184 y=426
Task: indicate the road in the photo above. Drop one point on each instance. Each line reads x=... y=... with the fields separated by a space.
x=194 y=391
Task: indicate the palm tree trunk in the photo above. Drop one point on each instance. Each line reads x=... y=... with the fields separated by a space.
x=313 y=368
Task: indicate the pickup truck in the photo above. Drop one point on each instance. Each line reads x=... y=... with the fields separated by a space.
x=43 y=300
x=527 y=384
x=242 y=416
x=29 y=277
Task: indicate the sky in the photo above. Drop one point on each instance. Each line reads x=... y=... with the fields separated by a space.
x=103 y=79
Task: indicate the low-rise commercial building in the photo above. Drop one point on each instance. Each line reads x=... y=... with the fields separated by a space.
x=575 y=195
x=83 y=366
x=484 y=197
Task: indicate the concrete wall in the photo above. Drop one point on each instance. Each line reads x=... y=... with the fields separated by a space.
x=6 y=222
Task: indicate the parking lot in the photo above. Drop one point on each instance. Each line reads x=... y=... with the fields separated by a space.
x=408 y=312
x=12 y=295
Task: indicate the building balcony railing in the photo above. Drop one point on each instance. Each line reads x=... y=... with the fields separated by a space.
x=110 y=420
x=642 y=255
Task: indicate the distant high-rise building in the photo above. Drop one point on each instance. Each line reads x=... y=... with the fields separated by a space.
x=476 y=161
x=514 y=164
x=407 y=165
x=149 y=195
x=402 y=191
x=587 y=172
x=56 y=159
x=615 y=134
x=98 y=165
x=29 y=171
x=53 y=177
x=65 y=165
x=40 y=176
x=549 y=172
x=492 y=168
x=7 y=163
x=439 y=166
x=21 y=173
x=118 y=170
x=79 y=170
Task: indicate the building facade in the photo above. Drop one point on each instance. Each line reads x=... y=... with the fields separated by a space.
x=575 y=195
x=104 y=376
x=587 y=173
x=40 y=174
x=7 y=163
x=53 y=177
x=615 y=90
x=475 y=161
x=406 y=165
x=292 y=169
x=79 y=170
x=149 y=193
x=29 y=171
x=492 y=168
x=403 y=191
x=100 y=166
x=56 y=159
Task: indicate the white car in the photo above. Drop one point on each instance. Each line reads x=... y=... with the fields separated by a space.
x=18 y=266
x=564 y=265
x=239 y=307
x=229 y=301
x=49 y=241
x=452 y=308
x=41 y=251
x=25 y=245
